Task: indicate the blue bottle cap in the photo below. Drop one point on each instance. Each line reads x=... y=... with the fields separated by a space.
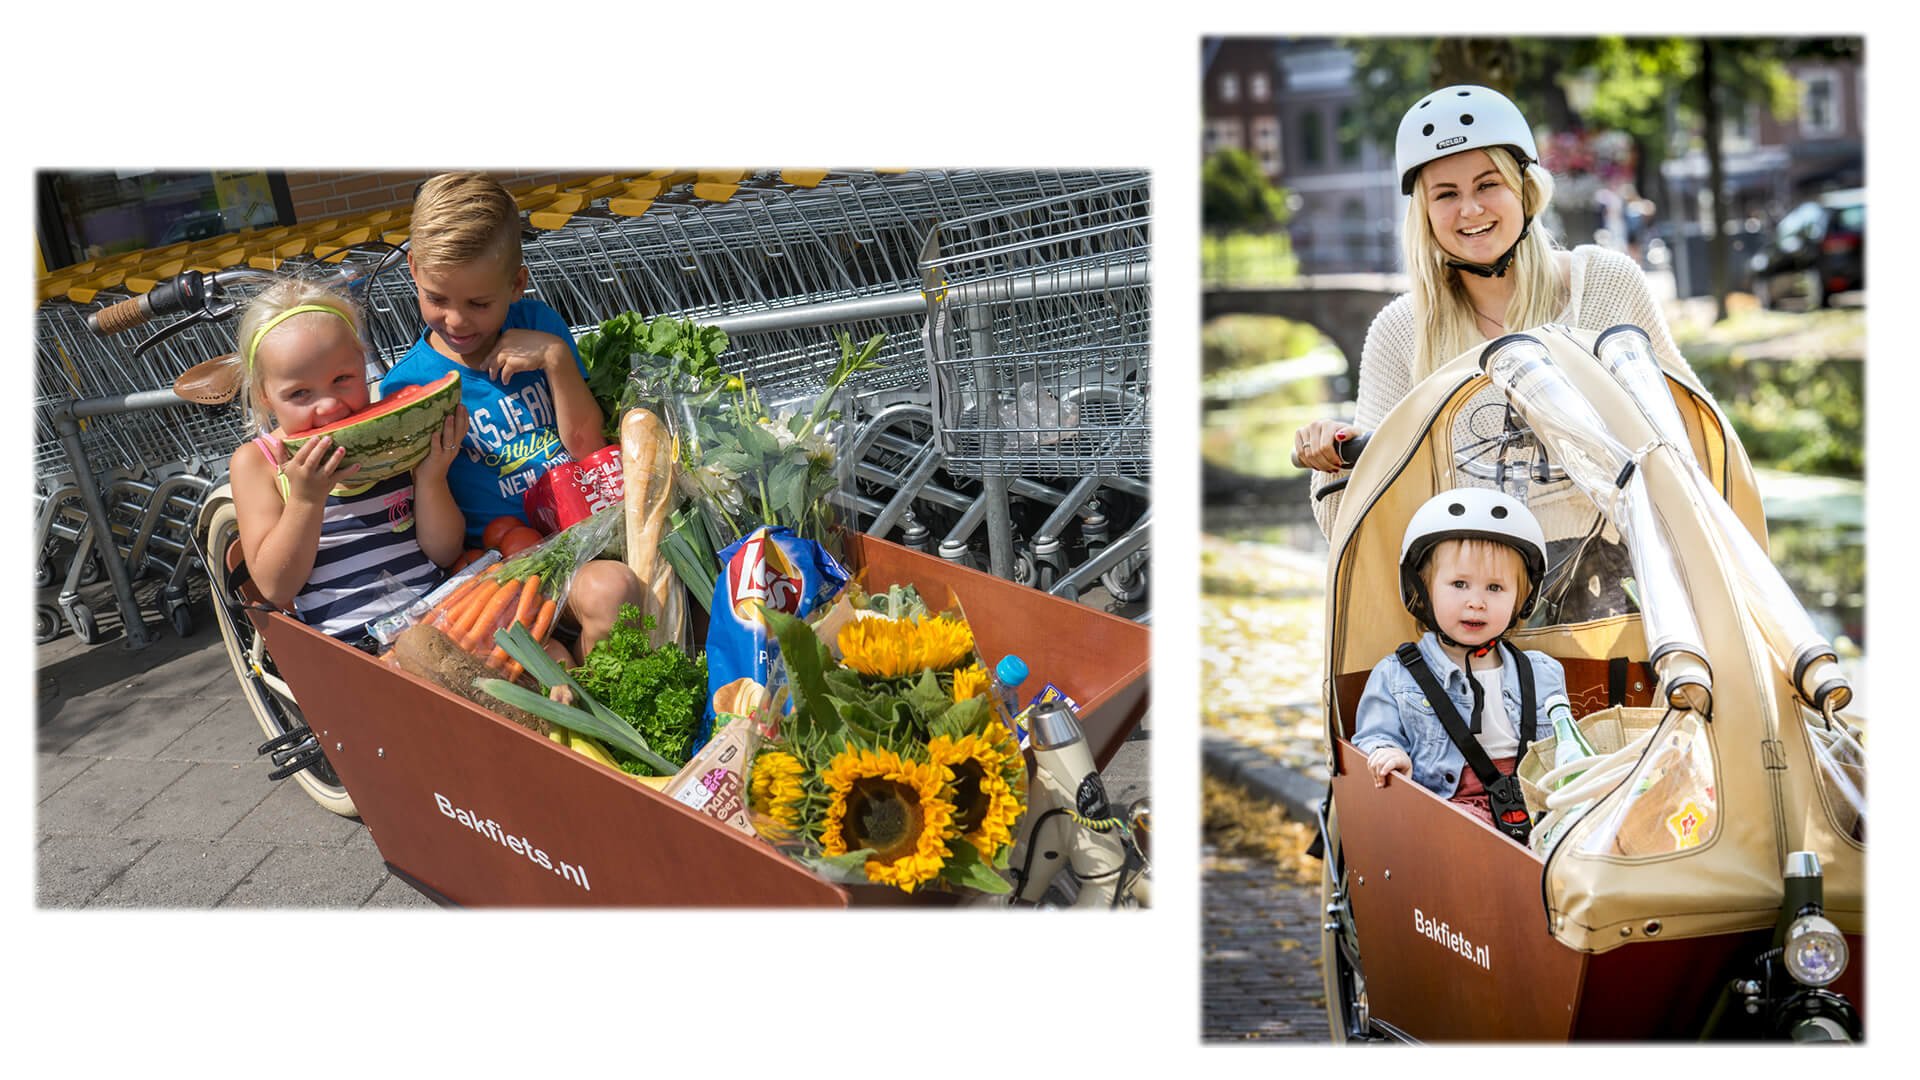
x=1011 y=670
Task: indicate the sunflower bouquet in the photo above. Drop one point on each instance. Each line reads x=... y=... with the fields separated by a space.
x=892 y=768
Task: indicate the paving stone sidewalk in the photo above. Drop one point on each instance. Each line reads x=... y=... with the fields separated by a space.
x=1260 y=954
x=151 y=796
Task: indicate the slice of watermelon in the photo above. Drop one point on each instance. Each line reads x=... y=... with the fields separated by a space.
x=391 y=435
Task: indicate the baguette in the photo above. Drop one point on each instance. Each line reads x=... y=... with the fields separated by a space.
x=646 y=456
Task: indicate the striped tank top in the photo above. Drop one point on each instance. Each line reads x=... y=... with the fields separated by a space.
x=369 y=560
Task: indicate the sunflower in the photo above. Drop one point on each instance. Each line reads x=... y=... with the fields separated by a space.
x=969 y=682
x=775 y=794
x=894 y=806
x=895 y=648
x=985 y=801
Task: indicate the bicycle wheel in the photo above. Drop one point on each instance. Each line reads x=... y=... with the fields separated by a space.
x=266 y=693
x=1343 y=981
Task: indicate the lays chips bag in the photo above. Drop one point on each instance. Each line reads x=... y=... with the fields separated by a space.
x=767 y=568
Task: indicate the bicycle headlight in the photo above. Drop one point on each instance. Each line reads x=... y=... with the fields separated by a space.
x=1816 y=954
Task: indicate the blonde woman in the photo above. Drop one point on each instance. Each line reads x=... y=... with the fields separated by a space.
x=1481 y=265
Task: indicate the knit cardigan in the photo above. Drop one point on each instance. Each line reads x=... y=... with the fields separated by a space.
x=1606 y=289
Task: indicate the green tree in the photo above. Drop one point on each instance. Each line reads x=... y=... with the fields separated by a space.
x=1235 y=194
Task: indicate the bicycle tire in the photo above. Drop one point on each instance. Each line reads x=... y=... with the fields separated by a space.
x=1343 y=981
x=276 y=712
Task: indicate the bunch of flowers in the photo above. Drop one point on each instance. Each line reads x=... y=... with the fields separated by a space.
x=745 y=466
x=893 y=767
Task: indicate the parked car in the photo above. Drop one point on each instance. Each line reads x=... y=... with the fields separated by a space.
x=198 y=225
x=1817 y=251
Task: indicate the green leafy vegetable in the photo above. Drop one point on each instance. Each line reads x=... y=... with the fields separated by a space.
x=660 y=692
x=595 y=720
x=659 y=352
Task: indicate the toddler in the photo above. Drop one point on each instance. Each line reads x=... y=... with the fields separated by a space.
x=315 y=540
x=1450 y=711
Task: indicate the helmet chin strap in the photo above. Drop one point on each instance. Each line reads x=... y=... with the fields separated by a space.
x=1472 y=651
x=1498 y=267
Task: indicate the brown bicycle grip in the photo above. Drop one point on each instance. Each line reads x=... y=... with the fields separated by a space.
x=125 y=315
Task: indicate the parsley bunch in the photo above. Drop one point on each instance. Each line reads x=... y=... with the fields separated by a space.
x=661 y=692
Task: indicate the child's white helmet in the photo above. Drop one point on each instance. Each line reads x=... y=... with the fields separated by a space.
x=1457 y=118
x=1470 y=514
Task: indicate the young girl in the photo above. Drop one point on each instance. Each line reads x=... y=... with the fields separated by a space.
x=315 y=540
x=1470 y=564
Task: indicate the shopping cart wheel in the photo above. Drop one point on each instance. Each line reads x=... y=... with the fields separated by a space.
x=266 y=693
x=1024 y=572
x=46 y=623
x=42 y=574
x=1125 y=583
x=93 y=571
x=182 y=619
x=85 y=627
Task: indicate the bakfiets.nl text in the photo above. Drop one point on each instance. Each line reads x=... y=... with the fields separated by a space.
x=519 y=845
x=1451 y=939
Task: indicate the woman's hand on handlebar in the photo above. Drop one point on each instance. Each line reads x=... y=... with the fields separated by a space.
x=1317 y=445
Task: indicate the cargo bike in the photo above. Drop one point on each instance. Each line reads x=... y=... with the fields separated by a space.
x=1047 y=275
x=1701 y=875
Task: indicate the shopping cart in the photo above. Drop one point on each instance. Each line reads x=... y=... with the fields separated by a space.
x=1038 y=323
x=1053 y=261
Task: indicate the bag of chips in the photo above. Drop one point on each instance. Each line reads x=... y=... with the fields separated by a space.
x=767 y=568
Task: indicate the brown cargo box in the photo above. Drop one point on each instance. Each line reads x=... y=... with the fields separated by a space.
x=475 y=810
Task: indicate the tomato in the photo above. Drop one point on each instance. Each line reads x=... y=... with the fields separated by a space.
x=518 y=540
x=497 y=528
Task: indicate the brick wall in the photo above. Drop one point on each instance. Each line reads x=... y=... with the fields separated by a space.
x=320 y=195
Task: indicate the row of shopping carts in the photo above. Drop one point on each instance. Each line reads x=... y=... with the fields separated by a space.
x=1007 y=426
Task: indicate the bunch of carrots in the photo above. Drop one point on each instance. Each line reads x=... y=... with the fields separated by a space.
x=512 y=593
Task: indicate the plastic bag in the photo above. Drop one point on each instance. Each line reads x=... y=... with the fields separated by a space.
x=387 y=628
x=1037 y=418
x=529 y=588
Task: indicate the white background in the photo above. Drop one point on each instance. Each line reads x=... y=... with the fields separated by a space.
x=849 y=84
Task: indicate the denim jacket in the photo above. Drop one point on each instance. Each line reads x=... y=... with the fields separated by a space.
x=1393 y=710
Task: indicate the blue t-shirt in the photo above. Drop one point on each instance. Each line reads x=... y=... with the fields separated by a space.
x=512 y=428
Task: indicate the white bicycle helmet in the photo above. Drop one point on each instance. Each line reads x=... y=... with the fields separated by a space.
x=1458 y=118
x=1470 y=513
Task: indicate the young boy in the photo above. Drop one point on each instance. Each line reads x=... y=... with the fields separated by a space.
x=1470 y=564
x=521 y=378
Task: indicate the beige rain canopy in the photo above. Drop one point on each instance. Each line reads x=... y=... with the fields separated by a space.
x=1693 y=840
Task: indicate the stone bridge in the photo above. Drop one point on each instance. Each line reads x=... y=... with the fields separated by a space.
x=1340 y=306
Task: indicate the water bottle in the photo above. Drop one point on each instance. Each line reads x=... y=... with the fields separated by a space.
x=1004 y=683
x=1569 y=745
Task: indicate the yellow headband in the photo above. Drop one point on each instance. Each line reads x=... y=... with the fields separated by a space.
x=254 y=345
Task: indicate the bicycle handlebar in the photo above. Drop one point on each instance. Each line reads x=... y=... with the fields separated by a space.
x=1348 y=449
x=193 y=293
x=184 y=293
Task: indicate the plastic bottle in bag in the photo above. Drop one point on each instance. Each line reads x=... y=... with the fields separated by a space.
x=1569 y=745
